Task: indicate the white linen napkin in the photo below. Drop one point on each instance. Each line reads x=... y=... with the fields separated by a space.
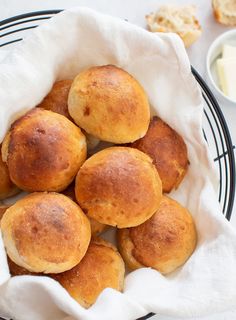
x=59 y=49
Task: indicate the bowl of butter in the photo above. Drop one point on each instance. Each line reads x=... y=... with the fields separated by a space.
x=221 y=65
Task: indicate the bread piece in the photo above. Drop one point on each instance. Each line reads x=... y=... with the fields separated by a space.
x=164 y=242
x=45 y=232
x=168 y=151
x=102 y=267
x=225 y=11
x=43 y=151
x=96 y=227
x=56 y=100
x=7 y=188
x=110 y=104
x=177 y=19
x=119 y=186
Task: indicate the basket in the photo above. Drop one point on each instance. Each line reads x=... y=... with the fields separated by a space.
x=215 y=128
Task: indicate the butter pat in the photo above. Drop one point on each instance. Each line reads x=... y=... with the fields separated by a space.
x=226 y=68
x=228 y=51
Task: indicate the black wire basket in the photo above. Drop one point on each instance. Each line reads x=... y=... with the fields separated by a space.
x=215 y=128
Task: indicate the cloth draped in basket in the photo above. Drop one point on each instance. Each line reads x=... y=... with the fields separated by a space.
x=79 y=38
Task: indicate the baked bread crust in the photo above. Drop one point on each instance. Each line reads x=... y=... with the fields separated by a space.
x=56 y=99
x=43 y=151
x=119 y=186
x=45 y=232
x=102 y=267
x=164 y=242
x=108 y=103
x=168 y=151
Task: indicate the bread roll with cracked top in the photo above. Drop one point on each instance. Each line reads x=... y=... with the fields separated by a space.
x=164 y=242
x=43 y=151
x=107 y=102
x=119 y=186
x=45 y=232
x=102 y=267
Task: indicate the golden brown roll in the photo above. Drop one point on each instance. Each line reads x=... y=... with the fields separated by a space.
x=119 y=186
x=168 y=151
x=56 y=100
x=163 y=242
x=43 y=151
x=7 y=188
x=102 y=267
x=110 y=104
x=45 y=232
x=96 y=227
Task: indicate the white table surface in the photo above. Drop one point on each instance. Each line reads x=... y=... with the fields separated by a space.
x=134 y=11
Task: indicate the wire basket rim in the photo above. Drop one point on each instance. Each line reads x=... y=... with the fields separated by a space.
x=29 y=15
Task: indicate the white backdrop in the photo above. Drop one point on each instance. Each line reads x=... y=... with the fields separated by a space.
x=134 y=11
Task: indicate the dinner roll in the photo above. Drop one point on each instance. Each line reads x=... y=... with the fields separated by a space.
x=168 y=151
x=56 y=100
x=45 y=232
x=43 y=151
x=110 y=104
x=119 y=186
x=102 y=267
x=163 y=242
x=7 y=188
x=96 y=227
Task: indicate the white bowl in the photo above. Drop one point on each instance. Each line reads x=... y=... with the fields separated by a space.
x=214 y=53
